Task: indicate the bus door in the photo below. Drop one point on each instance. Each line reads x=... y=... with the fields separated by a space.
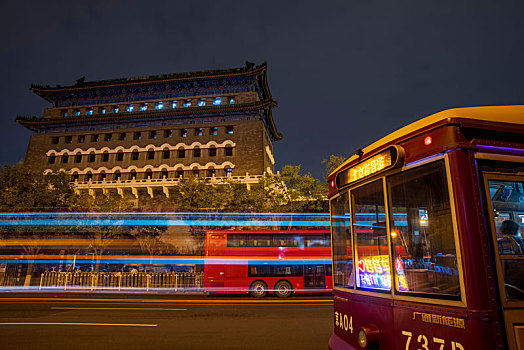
x=314 y=276
x=505 y=195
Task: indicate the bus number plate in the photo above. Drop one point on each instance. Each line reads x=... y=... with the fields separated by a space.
x=422 y=342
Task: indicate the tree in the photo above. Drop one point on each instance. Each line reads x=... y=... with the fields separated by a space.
x=148 y=237
x=332 y=163
x=109 y=202
x=194 y=193
x=23 y=189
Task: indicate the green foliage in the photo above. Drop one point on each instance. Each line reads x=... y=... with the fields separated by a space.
x=110 y=202
x=22 y=189
x=332 y=163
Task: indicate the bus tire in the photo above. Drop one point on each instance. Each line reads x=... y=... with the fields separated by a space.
x=258 y=289
x=283 y=289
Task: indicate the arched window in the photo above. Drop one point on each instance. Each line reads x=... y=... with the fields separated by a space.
x=164 y=174
x=134 y=155
x=229 y=151
x=78 y=158
x=212 y=152
x=180 y=174
x=132 y=175
x=51 y=159
x=195 y=172
x=211 y=172
x=149 y=174
x=120 y=156
x=89 y=176
x=105 y=157
x=102 y=176
x=166 y=153
x=117 y=175
x=75 y=176
x=196 y=152
x=151 y=154
x=229 y=172
x=91 y=157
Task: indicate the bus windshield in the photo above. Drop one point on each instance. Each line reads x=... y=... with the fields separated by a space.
x=507 y=200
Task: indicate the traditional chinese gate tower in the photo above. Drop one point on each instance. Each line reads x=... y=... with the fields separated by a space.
x=142 y=134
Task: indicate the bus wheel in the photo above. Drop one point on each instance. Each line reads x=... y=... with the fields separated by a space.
x=258 y=289
x=283 y=289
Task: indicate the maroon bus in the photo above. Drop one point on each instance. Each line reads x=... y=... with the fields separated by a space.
x=449 y=190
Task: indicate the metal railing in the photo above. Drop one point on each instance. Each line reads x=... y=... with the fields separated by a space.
x=7 y=279
x=175 y=281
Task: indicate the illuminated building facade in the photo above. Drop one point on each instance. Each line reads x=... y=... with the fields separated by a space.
x=141 y=135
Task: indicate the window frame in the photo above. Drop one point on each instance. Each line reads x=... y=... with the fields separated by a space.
x=391 y=294
x=500 y=176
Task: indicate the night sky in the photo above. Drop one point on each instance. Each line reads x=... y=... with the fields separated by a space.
x=344 y=73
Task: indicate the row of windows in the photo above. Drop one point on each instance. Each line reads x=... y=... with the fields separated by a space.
x=149 y=174
x=135 y=155
x=201 y=102
x=137 y=135
x=279 y=240
x=423 y=254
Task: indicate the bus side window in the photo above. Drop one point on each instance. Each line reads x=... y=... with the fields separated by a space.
x=423 y=240
x=507 y=206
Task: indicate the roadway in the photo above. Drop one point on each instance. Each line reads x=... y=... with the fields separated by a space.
x=116 y=321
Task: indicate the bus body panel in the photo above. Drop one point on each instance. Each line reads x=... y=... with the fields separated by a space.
x=401 y=323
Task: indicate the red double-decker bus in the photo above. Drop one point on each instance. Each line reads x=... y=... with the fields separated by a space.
x=259 y=262
x=427 y=226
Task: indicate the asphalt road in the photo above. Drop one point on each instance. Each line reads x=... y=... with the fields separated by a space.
x=84 y=321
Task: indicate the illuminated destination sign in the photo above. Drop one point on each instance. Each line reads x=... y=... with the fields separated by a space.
x=379 y=162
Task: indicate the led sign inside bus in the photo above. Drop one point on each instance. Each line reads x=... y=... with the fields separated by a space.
x=374 y=272
x=383 y=160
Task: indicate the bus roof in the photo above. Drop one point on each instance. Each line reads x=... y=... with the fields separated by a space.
x=490 y=114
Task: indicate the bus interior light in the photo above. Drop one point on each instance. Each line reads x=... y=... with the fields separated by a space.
x=428 y=140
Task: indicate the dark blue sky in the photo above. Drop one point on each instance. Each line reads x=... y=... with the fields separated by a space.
x=344 y=73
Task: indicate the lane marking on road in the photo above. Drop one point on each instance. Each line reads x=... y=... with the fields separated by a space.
x=77 y=324
x=115 y=308
x=172 y=301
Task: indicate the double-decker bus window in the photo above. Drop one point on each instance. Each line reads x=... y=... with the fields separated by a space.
x=258 y=240
x=371 y=245
x=507 y=200
x=316 y=241
x=422 y=232
x=275 y=270
x=236 y=240
x=280 y=240
x=342 y=244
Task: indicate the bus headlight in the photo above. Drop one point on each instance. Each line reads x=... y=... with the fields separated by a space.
x=368 y=338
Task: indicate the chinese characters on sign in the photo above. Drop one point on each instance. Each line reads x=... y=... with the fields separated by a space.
x=370 y=166
x=374 y=272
